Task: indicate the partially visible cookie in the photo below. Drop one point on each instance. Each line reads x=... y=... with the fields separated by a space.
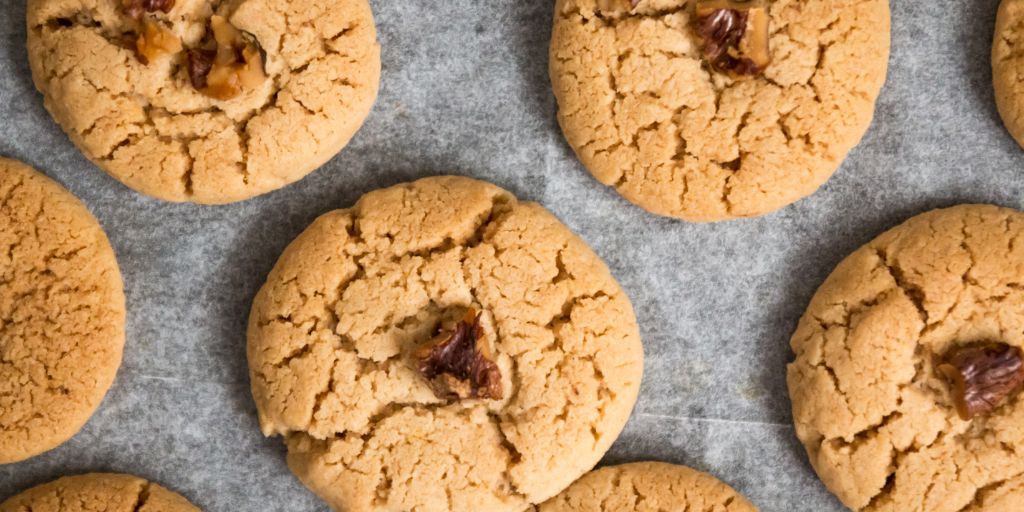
x=209 y=101
x=908 y=371
x=654 y=105
x=1008 y=66
x=442 y=346
x=647 y=487
x=62 y=313
x=98 y=492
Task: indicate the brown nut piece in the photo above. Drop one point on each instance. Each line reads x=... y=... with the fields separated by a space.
x=983 y=376
x=230 y=65
x=458 y=365
x=734 y=35
x=199 y=64
x=154 y=41
x=136 y=8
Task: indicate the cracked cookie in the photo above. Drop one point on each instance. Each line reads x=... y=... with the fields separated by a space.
x=906 y=383
x=98 y=492
x=62 y=313
x=207 y=101
x=647 y=487
x=1008 y=66
x=692 y=114
x=442 y=346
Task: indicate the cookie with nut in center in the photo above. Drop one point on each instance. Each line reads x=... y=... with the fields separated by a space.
x=207 y=101
x=708 y=110
x=907 y=381
x=442 y=346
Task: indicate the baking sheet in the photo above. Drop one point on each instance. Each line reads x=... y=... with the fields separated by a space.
x=465 y=91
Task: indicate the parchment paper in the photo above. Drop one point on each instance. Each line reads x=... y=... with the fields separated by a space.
x=465 y=91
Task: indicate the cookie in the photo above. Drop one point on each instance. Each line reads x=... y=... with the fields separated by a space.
x=908 y=369
x=98 y=492
x=647 y=487
x=207 y=101
x=62 y=313
x=676 y=125
x=442 y=346
x=1007 y=66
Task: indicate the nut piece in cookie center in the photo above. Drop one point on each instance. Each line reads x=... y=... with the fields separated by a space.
x=227 y=64
x=983 y=376
x=155 y=41
x=149 y=38
x=734 y=35
x=458 y=363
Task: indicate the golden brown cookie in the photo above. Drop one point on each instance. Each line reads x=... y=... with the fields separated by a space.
x=647 y=487
x=62 y=313
x=98 y=492
x=208 y=101
x=442 y=346
x=647 y=113
x=908 y=366
x=1008 y=66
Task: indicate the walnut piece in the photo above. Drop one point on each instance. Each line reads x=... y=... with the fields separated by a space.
x=155 y=41
x=734 y=35
x=983 y=376
x=136 y=8
x=228 y=65
x=458 y=364
x=199 y=64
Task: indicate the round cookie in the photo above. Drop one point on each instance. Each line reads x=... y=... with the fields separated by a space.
x=647 y=487
x=98 y=492
x=62 y=313
x=1008 y=66
x=207 y=101
x=879 y=354
x=345 y=336
x=648 y=116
